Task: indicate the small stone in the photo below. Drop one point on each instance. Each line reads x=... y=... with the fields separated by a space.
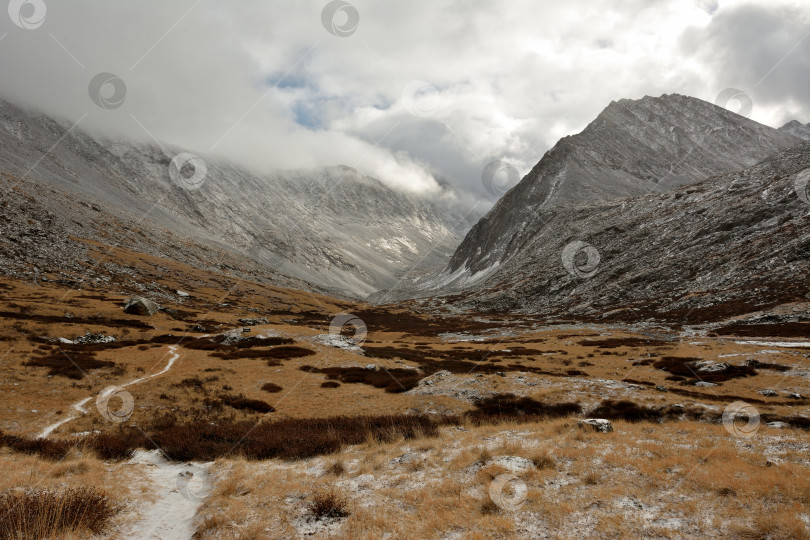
x=705 y=384
x=371 y=367
x=253 y=321
x=794 y=395
x=182 y=294
x=768 y=392
x=661 y=388
x=597 y=424
x=90 y=338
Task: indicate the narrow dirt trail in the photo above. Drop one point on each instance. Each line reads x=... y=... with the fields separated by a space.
x=79 y=408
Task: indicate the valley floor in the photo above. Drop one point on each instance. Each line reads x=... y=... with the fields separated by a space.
x=196 y=423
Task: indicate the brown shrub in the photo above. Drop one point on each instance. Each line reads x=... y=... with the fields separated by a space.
x=271 y=387
x=511 y=407
x=392 y=380
x=45 y=448
x=327 y=505
x=72 y=365
x=41 y=513
x=242 y=403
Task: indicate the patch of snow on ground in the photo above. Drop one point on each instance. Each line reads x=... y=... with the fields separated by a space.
x=179 y=490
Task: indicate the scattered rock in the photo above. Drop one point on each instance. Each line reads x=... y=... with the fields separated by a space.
x=371 y=367
x=705 y=384
x=138 y=305
x=253 y=322
x=90 y=337
x=182 y=294
x=245 y=330
x=768 y=392
x=341 y=342
x=597 y=424
x=794 y=395
x=513 y=464
x=707 y=366
x=661 y=388
x=777 y=425
x=405 y=458
x=198 y=328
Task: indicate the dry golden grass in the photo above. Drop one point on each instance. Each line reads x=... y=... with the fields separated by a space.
x=582 y=483
x=678 y=479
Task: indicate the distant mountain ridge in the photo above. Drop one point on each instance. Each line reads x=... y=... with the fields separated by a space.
x=797 y=129
x=332 y=227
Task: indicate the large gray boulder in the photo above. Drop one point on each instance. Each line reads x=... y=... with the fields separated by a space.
x=138 y=305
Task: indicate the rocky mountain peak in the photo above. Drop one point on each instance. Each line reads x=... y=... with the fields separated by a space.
x=797 y=129
x=634 y=147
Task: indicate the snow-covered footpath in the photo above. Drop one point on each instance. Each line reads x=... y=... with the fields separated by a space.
x=177 y=490
x=79 y=409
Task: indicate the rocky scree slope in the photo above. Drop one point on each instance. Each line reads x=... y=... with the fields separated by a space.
x=333 y=227
x=728 y=246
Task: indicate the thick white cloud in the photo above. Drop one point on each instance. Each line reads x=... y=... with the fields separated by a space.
x=265 y=84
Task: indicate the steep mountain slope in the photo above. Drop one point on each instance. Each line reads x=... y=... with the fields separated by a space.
x=334 y=227
x=797 y=129
x=632 y=148
x=728 y=246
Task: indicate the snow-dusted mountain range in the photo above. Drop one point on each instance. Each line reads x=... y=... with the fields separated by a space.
x=334 y=228
x=679 y=205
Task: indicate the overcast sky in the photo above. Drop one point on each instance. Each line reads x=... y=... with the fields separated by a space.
x=414 y=93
